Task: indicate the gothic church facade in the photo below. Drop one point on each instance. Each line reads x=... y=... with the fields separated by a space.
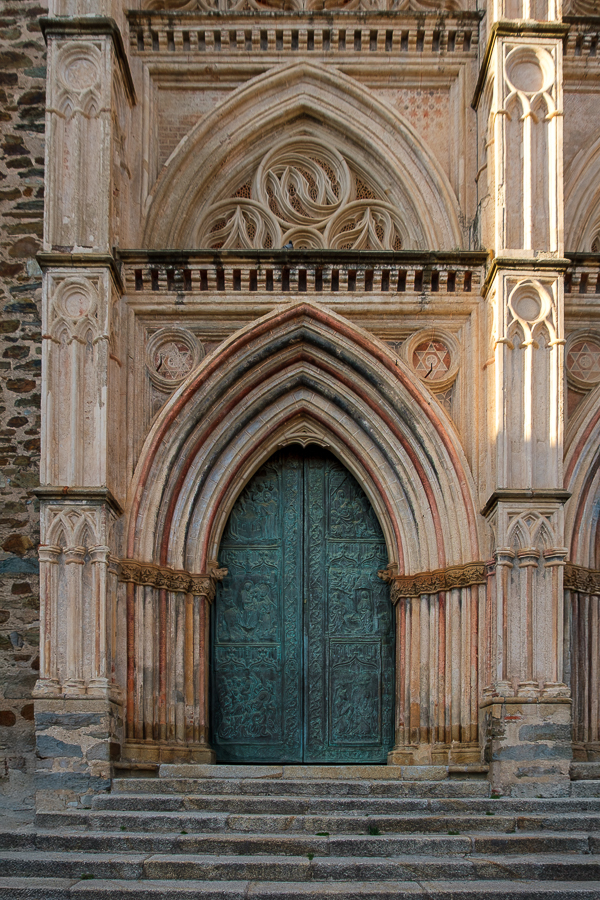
x=320 y=392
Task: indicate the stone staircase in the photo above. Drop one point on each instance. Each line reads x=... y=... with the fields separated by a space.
x=301 y=833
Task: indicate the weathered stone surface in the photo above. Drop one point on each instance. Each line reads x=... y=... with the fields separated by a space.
x=21 y=73
x=145 y=144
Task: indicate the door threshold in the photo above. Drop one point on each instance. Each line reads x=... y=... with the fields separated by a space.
x=325 y=771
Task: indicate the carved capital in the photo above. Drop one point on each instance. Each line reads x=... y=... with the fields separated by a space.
x=438 y=580
x=75 y=555
x=578 y=578
x=176 y=580
x=49 y=553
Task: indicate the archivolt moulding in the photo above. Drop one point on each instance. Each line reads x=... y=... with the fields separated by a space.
x=302 y=374
x=313 y=106
x=582 y=479
x=582 y=200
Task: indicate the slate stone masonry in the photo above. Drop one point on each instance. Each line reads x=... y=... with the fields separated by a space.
x=22 y=111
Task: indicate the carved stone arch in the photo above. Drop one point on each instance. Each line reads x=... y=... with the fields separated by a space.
x=85 y=533
x=515 y=333
x=61 y=331
x=244 y=401
x=519 y=535
x=582 y=199
x=302 y=427
x=582 y=479
x=291 y=99
x=60 y=532
x=543 y=535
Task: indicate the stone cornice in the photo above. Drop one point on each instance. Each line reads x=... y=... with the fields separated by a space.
x=91 y=495
x=64 y=259
x=580 y=258
x=137 y=16
x=513 y=29
x=304 y=257
x=63 y=26
x=582 y=19
x=516 y=263
x=578 y=578
x=169 y=579
x=437 y=580
x=518 y=495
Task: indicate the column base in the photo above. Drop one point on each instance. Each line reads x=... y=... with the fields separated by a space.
x=164 y=752
x=527 y=744
x=457 y=753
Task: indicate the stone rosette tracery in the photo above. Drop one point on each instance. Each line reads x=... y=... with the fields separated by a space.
x=303 y=193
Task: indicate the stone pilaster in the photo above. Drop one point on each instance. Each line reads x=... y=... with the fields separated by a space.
x=526 y=715
x=78 y=709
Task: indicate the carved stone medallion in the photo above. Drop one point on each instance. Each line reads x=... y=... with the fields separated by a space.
x=583 y=360
x=171 y=355
x=434 y=357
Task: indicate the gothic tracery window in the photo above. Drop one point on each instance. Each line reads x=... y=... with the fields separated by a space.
x=304 y=193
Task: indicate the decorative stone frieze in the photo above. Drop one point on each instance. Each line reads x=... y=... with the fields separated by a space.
x=436 y=581
x=582 y=580
x=169 y=579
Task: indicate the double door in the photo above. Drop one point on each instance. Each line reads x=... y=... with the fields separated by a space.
x=302 y=630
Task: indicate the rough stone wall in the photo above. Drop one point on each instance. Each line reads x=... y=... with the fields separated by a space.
x=22 y=100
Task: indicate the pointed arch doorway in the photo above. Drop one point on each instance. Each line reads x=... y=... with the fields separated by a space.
x=302 y=634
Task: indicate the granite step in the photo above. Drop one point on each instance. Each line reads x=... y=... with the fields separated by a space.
x=100 y=820
x=203 y=867
x=114 y=889
x=342 y=805
x=265 y=823
x=303 y=787
x=585 y=788
x=300 y=845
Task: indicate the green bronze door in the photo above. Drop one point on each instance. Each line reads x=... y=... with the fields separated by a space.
x=302 y=633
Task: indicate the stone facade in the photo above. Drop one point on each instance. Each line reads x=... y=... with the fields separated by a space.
x=373 y=229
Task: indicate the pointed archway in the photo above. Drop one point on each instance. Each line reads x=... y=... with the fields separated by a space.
x=301 y=374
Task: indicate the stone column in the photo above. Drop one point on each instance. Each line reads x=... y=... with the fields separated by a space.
x=437 y=668
x=526 y=707
x=78 y=705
